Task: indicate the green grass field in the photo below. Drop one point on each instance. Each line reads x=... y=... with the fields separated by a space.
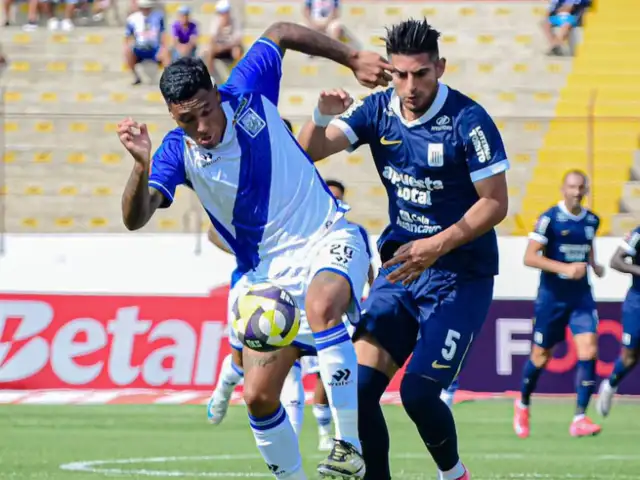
x=142 y=442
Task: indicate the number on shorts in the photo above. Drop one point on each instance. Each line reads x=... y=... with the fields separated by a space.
x=450 y=345
x=342 y=253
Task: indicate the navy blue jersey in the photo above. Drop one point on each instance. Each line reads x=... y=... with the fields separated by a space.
x=566 y=238
x=428 y=167
x=630 y=247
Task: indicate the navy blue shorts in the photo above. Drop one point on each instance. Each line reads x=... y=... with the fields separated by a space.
x=554 y=314
x=435 y=318
x=143 y=54
x=631 y=320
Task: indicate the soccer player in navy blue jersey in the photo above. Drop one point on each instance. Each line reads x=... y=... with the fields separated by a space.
x=442 y=161
x=628 y=250
x=561 y=247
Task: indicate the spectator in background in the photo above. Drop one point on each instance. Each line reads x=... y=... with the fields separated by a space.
x=564 y=15
x=226 y=36
x=185 y=35
x=47 y=7
x=322 y=15
x=145 y=38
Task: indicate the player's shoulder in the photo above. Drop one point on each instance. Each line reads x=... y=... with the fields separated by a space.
x=173 y=143
x=135 y=16
x=551 y=213
x=591 y=218
x=461 y=105
x=373 y=102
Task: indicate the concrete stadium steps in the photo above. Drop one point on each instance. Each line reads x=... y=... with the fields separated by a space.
x=442 y=14
x=46 y=213
x=623 y=223
x=603 y=97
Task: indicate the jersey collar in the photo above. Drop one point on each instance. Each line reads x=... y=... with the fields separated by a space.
x=436 y=106
x=563 y=208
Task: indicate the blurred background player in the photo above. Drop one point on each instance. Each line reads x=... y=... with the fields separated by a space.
x=562 y=248
x=628 y=250
x=439 y=253
x=321 y=410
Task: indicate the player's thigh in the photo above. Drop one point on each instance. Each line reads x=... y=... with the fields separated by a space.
x=583 y=323
x=264 y=376
x=339 y=267
x=550 y=321
x=451 y=317
x=631 y=321
x=388 y=328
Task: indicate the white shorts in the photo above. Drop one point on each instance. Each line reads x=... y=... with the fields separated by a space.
x=342 y=250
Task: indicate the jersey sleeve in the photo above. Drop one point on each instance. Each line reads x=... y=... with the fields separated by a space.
x=542 y=231
x=167 y=167
x=485 y=152
x=358 y=122
x=129 y=30
x=259 y=71
x=630 y=242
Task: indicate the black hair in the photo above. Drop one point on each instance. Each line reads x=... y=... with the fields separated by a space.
x=181 y=80
x=288 y=124
x=412 y=37
x=336 y=184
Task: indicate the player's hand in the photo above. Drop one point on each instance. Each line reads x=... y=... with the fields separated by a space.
x=415 y=258
x=576 y=271
x=598 y=270
x=334 y=102
x=371 y=70
x=135 y=138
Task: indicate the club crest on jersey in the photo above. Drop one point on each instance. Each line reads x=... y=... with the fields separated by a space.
x=442 y=123
x=435 y=154
x=251 y=123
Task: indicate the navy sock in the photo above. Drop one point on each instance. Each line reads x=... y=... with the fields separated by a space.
x=372 y=426
x=530 y=376
x=619 y=372
x=421 y=400
x=585 y=384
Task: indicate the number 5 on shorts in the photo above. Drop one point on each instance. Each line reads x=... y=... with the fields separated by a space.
x=450 y=345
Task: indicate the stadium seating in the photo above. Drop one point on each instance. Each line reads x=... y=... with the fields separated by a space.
x=64 y=168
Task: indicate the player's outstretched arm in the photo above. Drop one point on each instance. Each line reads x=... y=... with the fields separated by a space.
x=139 y=202
x=318 y=137
x=534 y=257
x=369 y=68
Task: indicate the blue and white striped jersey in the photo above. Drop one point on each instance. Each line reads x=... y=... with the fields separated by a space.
x=261 y=191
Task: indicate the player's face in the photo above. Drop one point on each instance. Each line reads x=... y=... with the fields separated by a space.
x=337 y=193
x=574 y=189
x=146 y=11
x=201 y=117
x=416 y=79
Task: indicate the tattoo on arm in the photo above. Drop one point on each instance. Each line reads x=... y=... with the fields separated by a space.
x=305 y=40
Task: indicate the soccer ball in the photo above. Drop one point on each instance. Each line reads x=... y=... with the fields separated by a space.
x=266 y=318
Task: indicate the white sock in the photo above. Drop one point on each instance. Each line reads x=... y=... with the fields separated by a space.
x=292 y=397
x=230 y=376
x=323 y=417
x=339 y=372
x=455 y=473
x=278 y=445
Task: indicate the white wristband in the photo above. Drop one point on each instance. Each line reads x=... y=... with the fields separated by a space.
x=321 y=120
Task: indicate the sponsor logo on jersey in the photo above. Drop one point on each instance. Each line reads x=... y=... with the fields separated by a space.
x=411 y=189
x=385 y=141
x=442 y=124
x=417 y=223
x=480 y=144
x=574 y=253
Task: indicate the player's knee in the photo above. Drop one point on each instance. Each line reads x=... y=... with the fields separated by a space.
x=540 y=356
x=629 y=357
x=419 y=394
x=323 y=310
x=587 y=351
x=260 y=402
